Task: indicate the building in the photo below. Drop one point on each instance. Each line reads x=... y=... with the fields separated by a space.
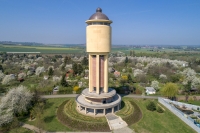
x=98 y=98
x=150 y=90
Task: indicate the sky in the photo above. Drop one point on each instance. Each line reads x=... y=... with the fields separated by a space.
x=135 y=22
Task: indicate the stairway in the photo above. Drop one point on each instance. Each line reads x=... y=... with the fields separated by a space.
x=117 y=124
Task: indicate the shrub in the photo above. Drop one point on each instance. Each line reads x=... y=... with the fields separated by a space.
x=159 y=109
x=198 y=121
x=76 y=88
x=138 y=91
x=151 y=106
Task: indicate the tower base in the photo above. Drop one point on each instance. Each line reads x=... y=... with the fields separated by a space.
x=91 y=103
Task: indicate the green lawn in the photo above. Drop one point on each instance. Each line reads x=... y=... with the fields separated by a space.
x=192 y=102
x=51 y=122
x=151 y=122
x=154 y=122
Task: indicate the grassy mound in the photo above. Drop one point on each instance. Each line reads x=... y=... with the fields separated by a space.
x=130 y=112
x=69 y=116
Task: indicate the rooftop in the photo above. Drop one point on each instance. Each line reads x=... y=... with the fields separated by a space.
x=98 y=15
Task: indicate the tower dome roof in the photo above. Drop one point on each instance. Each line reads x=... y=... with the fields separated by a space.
x=98 y=15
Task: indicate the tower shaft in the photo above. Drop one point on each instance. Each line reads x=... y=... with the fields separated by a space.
x=98 y=72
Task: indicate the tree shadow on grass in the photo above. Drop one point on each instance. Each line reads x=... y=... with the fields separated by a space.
x=48 y=105
x=48 y=119
x=122 y=104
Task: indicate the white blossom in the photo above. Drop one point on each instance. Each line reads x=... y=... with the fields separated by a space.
x=21 y=75
x=39 y=59
x=189 y=75
x=195 y=82
x=155 y=84
x=123 y=70
x=7 y=79
x=26 y=66
x=16 y=101
x=137 y=72
x=39 y=70
x=30 y=73
x=56 y=79
x=35 y=63
x=2 y=75
x=162 y=77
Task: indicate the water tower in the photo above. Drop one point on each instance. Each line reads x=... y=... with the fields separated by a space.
x=98 y=98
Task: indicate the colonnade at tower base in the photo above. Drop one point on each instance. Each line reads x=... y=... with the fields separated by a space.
x=98 y=104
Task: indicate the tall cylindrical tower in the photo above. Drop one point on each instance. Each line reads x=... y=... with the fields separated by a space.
x=98 y=98
x=98 y=43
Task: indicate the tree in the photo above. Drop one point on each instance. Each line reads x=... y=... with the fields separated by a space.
x=151 y=106
x=132 y=53
x=76 y=88
x=67 y=59
x=187 y=87
x=50 y=72
x=37 y=112
x=84 y=61
x=129 y=78
x=170 y=90
x=155 y=84
x=39 y=70
x=1 y=68
x=79 y=69
x=126 y=60
x=63 y=81
x=7 y=79
x=16 y=101
x=75 y=68
x=123 y=80
x=1 y=75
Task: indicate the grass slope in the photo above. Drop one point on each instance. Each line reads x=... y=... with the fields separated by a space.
x=154 y=122
x=51 y=122
x=68 y=115
x=20 y=130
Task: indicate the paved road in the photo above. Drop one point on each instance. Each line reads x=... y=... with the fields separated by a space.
x=59 y=96
x=74 y=95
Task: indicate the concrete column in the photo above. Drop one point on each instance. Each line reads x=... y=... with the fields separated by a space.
x=85 y=110
x=104 y=111
x=94 y=111
x=118 y=107
x=113 y=110
x=97 y=74
x=106 y=73
x=79 y=108
x=90 y=73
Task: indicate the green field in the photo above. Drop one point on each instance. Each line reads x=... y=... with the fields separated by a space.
x=81 y=49
x=42 y=49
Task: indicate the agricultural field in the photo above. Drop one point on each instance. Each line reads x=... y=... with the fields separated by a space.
x=41 y=49
x=48 y=49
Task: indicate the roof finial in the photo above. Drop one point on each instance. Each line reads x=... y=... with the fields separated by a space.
x=99 y=9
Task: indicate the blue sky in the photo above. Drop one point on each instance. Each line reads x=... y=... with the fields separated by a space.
x=174 y=22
